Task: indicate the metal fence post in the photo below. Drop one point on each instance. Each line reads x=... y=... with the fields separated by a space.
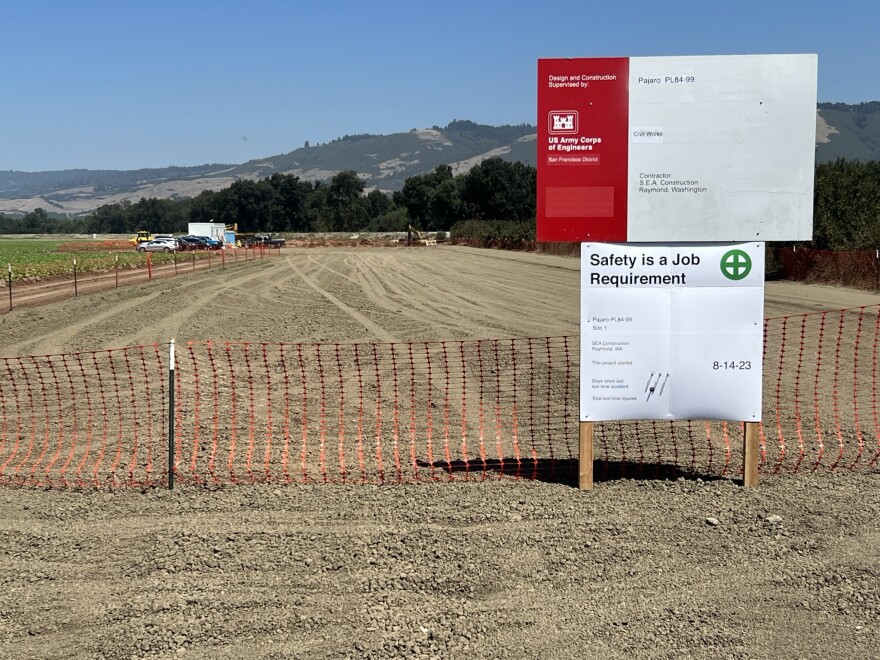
x=75 y=290
x=171 y=416
x=9 y=283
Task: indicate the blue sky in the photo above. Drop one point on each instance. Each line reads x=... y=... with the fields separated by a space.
x=123 y=85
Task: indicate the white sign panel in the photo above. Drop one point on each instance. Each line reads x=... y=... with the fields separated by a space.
x=723 y=142
x=671 y=332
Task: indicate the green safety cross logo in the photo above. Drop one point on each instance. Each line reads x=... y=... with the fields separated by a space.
x=736 y=264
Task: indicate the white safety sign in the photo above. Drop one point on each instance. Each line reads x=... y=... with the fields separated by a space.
x=672 y=331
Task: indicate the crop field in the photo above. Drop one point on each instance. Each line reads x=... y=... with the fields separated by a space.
x=644 y=566
x=34 y=259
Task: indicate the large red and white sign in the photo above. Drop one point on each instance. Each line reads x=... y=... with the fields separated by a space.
x=696 y=149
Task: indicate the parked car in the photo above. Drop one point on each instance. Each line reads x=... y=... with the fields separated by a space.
x=202 y=242
x=191 y=243
x=159 y=245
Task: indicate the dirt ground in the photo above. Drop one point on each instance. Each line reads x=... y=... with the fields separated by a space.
x=637 y=568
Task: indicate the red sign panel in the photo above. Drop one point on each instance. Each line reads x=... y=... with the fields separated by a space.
x=583 y=126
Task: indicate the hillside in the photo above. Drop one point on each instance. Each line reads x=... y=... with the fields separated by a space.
x=384 y=161
x=854 y=131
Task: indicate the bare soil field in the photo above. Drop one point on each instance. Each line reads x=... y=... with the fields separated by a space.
x=638 y=568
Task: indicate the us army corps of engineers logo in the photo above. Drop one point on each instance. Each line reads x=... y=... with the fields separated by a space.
x=563 y=122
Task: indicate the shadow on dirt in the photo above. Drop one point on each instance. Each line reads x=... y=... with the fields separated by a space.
x=565 y=471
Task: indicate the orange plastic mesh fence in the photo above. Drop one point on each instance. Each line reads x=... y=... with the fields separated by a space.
x=411 y=412
x=84 y=420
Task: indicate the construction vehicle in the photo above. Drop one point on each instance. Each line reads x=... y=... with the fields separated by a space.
x=142 y=236
x=264 y=241
x=422 y=238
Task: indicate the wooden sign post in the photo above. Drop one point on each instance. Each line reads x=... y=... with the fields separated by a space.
x=751 y=435
x=585 y=456
x=750 y=454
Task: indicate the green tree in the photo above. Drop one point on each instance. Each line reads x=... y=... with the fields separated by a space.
x=346 y=202
x=378 y=204
x=445 y=207
x=159 y=215
x=111 y=219
x=35 y=222
x=846 y=205
x=317 y=209
x=395 y=220
x=248 y=203
x=293 y=195
x=415 y=197
x=431 y=200
x=496 y=189
x=206 y=207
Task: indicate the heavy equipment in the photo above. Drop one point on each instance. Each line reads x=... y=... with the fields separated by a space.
x=422 y=238
x=142 y=236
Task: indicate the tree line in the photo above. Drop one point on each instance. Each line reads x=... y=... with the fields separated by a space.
x=285 y=203
x=493 y=200
x=846 y=205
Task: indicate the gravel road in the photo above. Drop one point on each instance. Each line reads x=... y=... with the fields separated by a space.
x=638 y=568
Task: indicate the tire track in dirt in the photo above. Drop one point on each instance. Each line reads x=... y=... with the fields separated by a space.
x=512 y=282
x=47 y=343
x=433 y=299
x=560 y=262
x=133 y=305
x=168 y=327
x=421 y=312
x=485 y=298
x=323 y=266
x=307 y=315
x=428 y=320
x=326 y=294
x=374 y=329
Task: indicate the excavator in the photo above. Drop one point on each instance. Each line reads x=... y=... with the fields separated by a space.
x=422 y=238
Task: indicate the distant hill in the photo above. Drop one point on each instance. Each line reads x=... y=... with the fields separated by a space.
x=853 y=131
x=384 y=161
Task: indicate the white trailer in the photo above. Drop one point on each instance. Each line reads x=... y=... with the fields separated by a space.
x=215 y=230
